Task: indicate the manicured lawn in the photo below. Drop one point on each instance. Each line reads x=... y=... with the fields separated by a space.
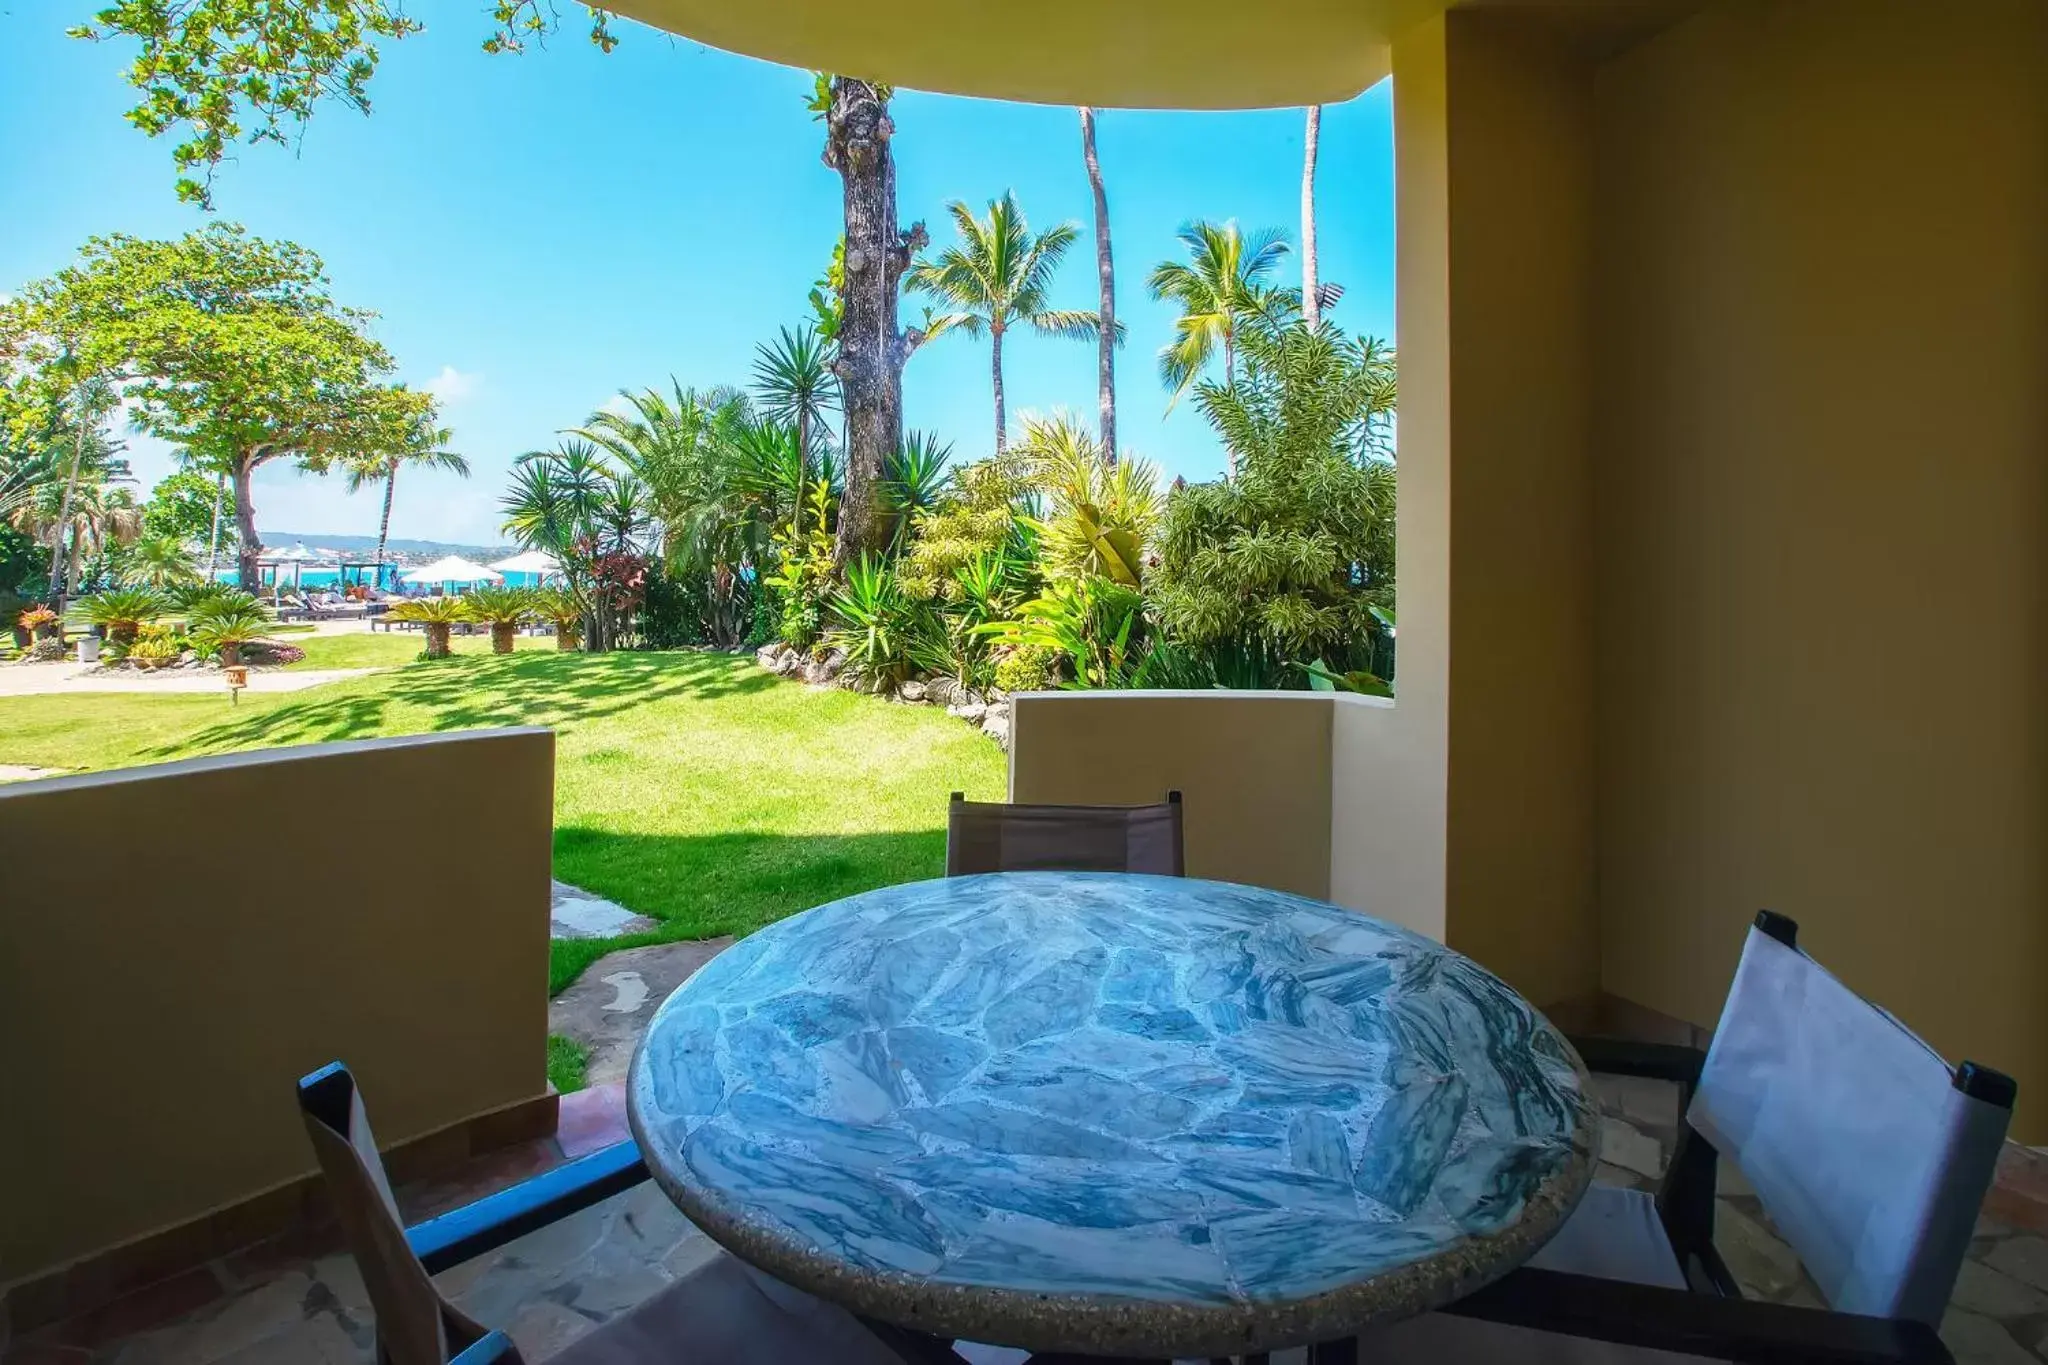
x=693 y=788
x=387 y=649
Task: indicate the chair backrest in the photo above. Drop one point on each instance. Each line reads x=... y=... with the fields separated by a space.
x=415 y=1325
x=1868 y=1151
x=996 y=837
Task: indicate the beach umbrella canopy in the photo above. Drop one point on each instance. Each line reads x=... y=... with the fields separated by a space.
x=531 y=561
x=297 y=554
x=452 y=569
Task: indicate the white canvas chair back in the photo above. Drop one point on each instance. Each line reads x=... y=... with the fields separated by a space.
x=1868 y=1151
x=415 y=1325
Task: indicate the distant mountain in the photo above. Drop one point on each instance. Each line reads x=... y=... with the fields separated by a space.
x=432 y=549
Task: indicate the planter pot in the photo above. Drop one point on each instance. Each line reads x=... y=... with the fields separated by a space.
x=22 y=639
x=88 y=649
x=568 y=640
x=502 y=634
x=437 y=639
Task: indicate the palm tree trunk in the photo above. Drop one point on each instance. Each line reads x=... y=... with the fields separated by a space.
x=1105 y=270
x=220 y=487
x=57 y=555
x=996 y=365
x=384 y=523
x=248 y=547
x=1311 y=309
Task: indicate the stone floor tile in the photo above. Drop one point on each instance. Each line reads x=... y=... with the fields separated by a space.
x=1606 y=1173
x=245 y=1319
x=318 y=1340
x=1648 y=1103
x=592 y=1119
x=1623 y=1145
x=689 y=1253
x=1977 y=1340
x=2023 y=1258
x=1981 y=1289
x=145 y=1310
x=1762 y=1264
x=543 y=1327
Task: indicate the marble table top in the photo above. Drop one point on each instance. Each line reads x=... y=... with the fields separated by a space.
x=1118 y=1114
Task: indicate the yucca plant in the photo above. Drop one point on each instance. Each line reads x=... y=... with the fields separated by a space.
x=503 y=610
x=438 y=615
x=121 y=612
x=225 y=621
x=561 y=608
x=876 y=623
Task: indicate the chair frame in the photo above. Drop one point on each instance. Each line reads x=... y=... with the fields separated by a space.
x=1711 y=1318
x=1173 y=800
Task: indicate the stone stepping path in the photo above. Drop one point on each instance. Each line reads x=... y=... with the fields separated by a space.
x=610 y=1005
x=576 y=913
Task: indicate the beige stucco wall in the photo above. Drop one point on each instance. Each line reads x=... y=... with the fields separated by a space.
x=1822 y=444
x=1252 y=767
x=1519 y=893
x=179 y=943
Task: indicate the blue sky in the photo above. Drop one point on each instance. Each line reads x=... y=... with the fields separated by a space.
x=538 y=232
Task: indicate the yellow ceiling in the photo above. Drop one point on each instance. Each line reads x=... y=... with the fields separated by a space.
x=1141 y=54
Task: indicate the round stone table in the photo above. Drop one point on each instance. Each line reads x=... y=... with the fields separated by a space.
x=1141 y=1116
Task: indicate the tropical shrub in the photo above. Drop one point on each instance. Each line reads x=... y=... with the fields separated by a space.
x=225 y=621
x=152 y=652
x=502 y=609
x=157 y=562
x=1026 y=668
x=1093 y=626
x=977 y=516
x=913 y=481
x=802 y=581
x=1099 y=519
x=272 y=653
x=949 y=641
x=121 y=612
x=876 y=623
x=1291 y=559
x=436 y=616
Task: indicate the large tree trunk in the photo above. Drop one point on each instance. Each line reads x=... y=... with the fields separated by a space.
x=1311 y=309
x=871 y=349
x=1105 y=364
x=995 y=337
x=247 y=547
x=384 y=523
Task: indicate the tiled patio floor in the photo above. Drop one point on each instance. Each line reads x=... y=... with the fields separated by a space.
x=304 y=1304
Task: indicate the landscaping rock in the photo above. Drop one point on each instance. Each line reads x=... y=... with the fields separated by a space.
x=912 y=690
x=997 y=728
x=825 y=668
x=943 y=691
x=971 y=712
x=790 y=664
x=768 y=656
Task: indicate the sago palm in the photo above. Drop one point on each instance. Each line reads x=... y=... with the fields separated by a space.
x=1000 y=274
x=427 y=448
x=1219 y=286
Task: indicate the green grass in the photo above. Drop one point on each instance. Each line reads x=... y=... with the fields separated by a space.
x=693 y=788
x=568 y=1063
x=388 y=649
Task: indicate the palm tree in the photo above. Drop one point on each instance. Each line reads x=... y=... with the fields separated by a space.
x=1105 y=271
x=1311 y=301
x=997 y=276
x=427 y=448
x=680 y=447
x=1220 y=284
x=795 y=379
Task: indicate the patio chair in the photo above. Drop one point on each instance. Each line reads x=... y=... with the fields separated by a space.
x=1868 y=1151
x=722 y=1313
x=984 y=836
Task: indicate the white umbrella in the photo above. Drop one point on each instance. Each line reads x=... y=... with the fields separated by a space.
x=532 y=561
x=452 y=569
x=298 y=554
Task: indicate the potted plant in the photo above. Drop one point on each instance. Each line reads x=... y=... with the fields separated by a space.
x=438 y=615
x=563 y=610
x=39 y=621
x=502 y=609
x=223 y=622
